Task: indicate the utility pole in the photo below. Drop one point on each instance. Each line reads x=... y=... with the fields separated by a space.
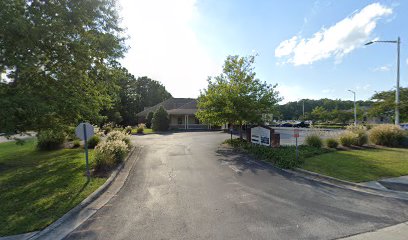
x=397 y=92
x=355 y=107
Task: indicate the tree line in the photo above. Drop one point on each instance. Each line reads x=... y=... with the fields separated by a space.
x=381 y=104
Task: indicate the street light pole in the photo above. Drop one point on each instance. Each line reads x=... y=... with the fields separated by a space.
x=397 y=92
x=355 y=108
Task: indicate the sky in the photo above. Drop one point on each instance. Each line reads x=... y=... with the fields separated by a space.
x=310 y=49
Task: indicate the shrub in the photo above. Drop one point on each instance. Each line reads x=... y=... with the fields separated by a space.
x=98 y=131
x=128 y=130
x=284 y=156
x=313 y=140
x=76 y=143
x=160 y=121
x=332 y=143
x=118 y=135
x=387 y=135
x=348 y=138
x=70 y=132
x=149 y=120
x=93 y=141
x=109 y=153
x=361 y=137
x=140 y=128
x=107 y=128
x=50 y=139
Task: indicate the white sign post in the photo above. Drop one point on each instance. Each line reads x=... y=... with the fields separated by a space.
x=84 y=131
x=261 y=136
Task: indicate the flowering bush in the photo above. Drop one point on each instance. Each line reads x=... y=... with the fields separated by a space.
x=128 y=130
x=109 y=153
x=118 y=135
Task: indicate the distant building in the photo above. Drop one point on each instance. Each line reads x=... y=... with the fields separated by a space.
x=181 y=113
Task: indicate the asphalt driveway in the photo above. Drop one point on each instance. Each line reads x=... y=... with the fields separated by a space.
x=187 y=186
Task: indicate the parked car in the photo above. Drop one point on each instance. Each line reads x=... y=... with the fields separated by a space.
x=301 y=125
x=286 y=125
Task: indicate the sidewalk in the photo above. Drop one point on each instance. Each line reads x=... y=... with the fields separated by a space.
x=396 y=232
x=396 y=184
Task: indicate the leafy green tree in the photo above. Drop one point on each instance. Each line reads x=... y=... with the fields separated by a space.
x=384 y=104
x=319 y=114
x=133 y=95
x=160 y=121
x=59 y=57
x=236 y=96
x=341 y=116
x=151 y=92
x=149 y=120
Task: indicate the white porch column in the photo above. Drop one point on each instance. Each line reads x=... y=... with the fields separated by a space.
x=187 y=122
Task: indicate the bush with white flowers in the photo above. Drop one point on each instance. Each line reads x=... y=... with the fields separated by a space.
x=118 y=135
x=109 y=153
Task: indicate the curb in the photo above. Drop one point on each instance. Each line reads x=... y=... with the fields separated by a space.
x=346 y=184
x=334 y=182
x=84 y=203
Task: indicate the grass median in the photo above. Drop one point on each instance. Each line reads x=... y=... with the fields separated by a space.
x=361 y=165
x=38 y=187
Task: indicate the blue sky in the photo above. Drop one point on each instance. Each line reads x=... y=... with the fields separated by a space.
x=311 y=49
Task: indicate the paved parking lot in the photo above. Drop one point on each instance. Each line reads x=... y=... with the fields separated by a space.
x=188 y=186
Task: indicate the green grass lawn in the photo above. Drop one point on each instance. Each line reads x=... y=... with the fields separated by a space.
x=361 y=165
x=145 y=131
x=38 y=187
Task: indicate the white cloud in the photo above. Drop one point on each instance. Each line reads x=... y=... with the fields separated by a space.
x=328 y=91
x=164 y=47
x=337 y=40
x=384 y=68
x=292 y=93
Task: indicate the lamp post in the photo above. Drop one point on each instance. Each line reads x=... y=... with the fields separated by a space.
x=397 y=100
x=355 y=107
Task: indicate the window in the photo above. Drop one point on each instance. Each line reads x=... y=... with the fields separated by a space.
x=197 y=121
x=179 y=120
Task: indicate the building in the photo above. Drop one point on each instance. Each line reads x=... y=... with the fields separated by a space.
x=181 y=113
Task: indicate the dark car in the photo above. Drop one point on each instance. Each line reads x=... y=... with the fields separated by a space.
x=286 y=125
x=301 y=125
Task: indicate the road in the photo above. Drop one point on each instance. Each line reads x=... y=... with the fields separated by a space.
x=187 y=186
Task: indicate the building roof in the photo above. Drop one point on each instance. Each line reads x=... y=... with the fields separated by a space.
x=173 y=106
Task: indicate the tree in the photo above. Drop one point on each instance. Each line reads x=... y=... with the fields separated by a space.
x=319 y=114
x=341 y=116
x=151 y=92
x=160 y=121
x=384 y=104
x=236 y=96
x=149 y=120
x=59 y=57
x=133 y=95
x=294 y=111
